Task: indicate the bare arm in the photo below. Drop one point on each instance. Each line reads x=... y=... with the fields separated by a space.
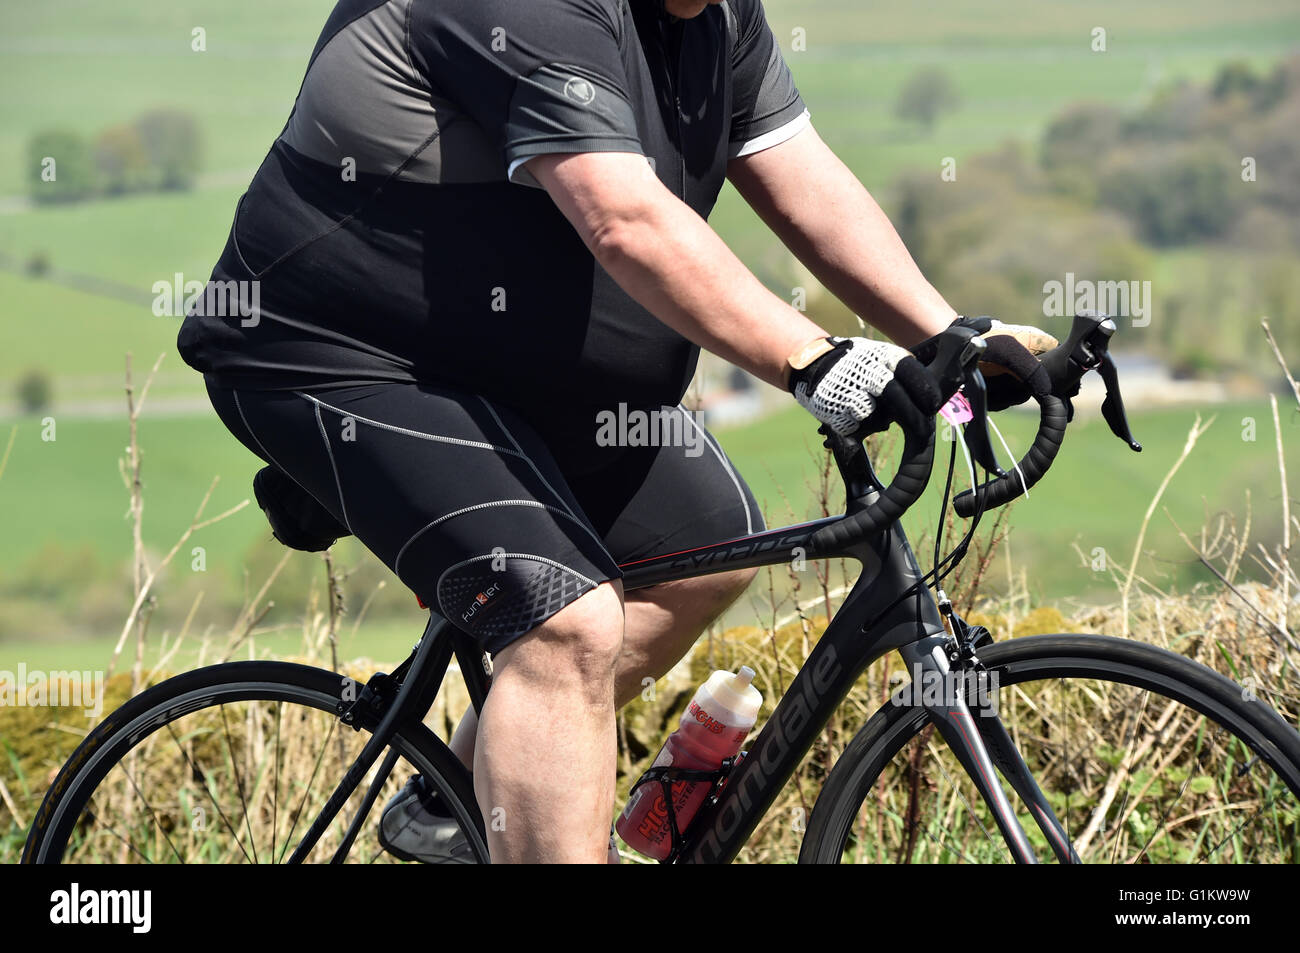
x=671 y=262
x=827 y=218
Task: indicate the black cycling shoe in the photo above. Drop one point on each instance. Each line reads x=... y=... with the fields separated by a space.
x=415 y=826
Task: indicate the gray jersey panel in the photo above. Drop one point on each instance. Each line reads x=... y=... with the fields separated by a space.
x=364 y=107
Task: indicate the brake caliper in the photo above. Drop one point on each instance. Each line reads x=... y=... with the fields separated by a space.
x=375 y=697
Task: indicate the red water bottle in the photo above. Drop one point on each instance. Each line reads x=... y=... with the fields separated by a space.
x=712 y=729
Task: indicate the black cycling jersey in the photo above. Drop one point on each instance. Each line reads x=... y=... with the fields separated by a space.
x=394 y=233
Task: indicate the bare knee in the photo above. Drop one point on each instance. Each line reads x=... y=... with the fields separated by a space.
x=579 y=645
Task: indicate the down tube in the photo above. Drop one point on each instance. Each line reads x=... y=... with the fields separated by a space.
x=839 y=658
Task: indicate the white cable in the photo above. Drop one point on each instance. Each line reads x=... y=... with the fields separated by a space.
x=1024 y=486
x=965 y=452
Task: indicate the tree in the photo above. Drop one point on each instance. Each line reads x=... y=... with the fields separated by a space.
x=120 y=160
x=171 y=143
x=927 y=94
x=1177 y=198
x=1080 y=135
x=1235 y=79
x=59 y=166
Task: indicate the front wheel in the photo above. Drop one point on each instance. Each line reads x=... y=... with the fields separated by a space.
x=231 y=764
x=1145 y=756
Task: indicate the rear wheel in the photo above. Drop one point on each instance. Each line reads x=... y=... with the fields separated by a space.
x=1144 y=755
x=231 y=764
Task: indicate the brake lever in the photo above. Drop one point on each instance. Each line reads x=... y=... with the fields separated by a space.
x=1112 y=408
x=956 y=365
x=1088 y=348
x=976 y=433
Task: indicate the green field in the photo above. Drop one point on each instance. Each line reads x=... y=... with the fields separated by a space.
x=1094 y=497
x=1015 y=64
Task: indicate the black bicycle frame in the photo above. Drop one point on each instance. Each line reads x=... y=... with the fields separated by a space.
x=874 y=619
x=888 y=608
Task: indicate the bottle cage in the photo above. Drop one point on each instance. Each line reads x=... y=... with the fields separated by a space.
x=666 y=775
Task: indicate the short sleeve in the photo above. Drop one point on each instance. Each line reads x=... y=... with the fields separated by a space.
x=766 y=106
x=540 y=76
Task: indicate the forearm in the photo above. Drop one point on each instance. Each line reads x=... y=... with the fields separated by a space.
x=672 y=263
x=831 y=223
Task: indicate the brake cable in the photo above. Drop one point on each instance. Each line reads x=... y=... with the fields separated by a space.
x=949 y=562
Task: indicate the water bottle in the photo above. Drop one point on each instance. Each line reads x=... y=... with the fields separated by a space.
x=712 y=729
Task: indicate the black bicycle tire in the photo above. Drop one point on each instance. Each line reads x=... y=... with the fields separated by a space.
x=148 y=712
x=857 y=771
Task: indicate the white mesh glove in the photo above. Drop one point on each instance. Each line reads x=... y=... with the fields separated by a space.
x=847 y=392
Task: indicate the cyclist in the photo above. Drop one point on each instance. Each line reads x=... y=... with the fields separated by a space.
x=482 y=227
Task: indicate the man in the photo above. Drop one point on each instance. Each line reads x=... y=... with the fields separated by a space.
x=484 y=224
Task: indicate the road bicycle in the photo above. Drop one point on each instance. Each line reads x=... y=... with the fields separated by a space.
x=1073 y=747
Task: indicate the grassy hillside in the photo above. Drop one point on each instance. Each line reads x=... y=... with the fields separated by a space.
x=70 y=491
x=87 y=66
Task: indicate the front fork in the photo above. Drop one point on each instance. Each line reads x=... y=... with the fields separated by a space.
x=940 y=667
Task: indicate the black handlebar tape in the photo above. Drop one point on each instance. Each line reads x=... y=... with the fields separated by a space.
x=904 y=490
x=1051 y=430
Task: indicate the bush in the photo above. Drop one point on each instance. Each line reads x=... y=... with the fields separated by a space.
x=34 y=392
x=38 y=265
x=927 y=94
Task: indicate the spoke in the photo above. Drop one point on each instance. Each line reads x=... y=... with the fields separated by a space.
x=1164 y=820
x=960 y=794
x=275 y=788
x=1236 y=830
x=94 y=819
x=152 y=812
x=956 y=852
x=1069 y=781
x=310 y=781
x=196 y=772
x=950 y=849
x=239 y=783
x=1124 y=771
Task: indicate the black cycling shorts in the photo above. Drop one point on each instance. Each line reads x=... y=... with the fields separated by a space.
x=495 y=517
